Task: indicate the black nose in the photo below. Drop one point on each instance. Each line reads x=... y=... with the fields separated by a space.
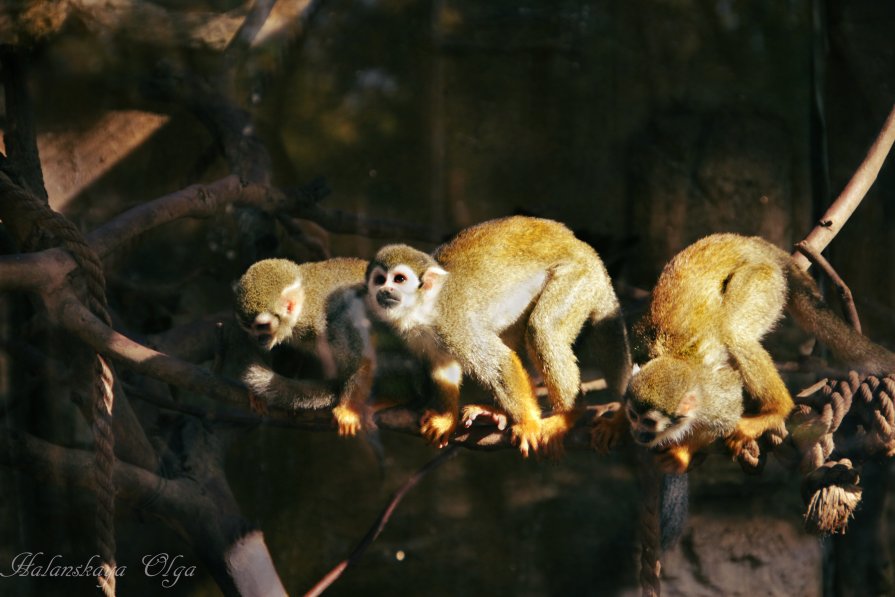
x=645 y=437
x=387 y=298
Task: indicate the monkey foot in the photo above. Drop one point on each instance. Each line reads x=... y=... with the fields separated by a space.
x=674 y=460
x=473 y=413
x=257 y=404
x=348 y=419
x=437 y=427
x=608 y=430
x=527 y=436
x=554 y=429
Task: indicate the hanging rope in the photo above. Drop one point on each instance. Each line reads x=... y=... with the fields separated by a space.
x=650 y=528
x=837 y=423
x=44 y=218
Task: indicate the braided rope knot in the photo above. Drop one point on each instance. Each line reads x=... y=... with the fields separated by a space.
x=836 y=424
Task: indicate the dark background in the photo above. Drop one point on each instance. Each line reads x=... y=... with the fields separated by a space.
x=642 y=125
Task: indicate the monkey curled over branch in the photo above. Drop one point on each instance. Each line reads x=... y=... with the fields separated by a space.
x=710 y=308
x=453 y=307
x=282 y=304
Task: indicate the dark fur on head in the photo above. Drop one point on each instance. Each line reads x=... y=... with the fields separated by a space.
x=390 y=256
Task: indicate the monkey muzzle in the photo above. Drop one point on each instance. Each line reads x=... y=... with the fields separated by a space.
x=644 y=437
x=263 y=333
x=387 y=298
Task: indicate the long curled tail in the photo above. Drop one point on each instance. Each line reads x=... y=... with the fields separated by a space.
x=814 y=315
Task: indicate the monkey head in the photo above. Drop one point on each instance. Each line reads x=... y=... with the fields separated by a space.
x=662 y=402
x=403 y=284
x=269 y=300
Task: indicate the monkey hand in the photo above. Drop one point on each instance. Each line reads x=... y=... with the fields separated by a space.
x=608 y=429
x=437 y=427
x=474 y=413
x=348 y=420
x=745 y=450
x=743 y=442
x=674 y=460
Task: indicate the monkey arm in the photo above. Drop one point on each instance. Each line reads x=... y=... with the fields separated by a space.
x=761 y=381
x=353 y=398
x=438 y=423
x=278 y=391
x=753 y=302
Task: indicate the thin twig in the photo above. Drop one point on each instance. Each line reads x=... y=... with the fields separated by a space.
x=848 y=301
x=381 y=521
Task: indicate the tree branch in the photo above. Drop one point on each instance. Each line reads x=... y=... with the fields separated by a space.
x=841 y=209
x=198 y=505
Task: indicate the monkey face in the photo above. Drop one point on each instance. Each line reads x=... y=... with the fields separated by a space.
x=399 y=295
x=269 y=299
x=662 y=401
x=275 y=325
x=651 y=427
x=393 y=292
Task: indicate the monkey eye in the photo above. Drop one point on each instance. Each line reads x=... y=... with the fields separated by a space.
x=649 y=422
x=379 y=279
x=400 y=278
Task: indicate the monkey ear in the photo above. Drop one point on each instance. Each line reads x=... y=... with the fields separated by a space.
x=433 y=279
x=687 y=403
x=292 y=298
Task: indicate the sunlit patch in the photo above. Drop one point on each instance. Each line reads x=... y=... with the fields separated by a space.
x=451 y=373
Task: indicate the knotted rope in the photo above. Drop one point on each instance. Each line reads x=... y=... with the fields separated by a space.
x=66 y=233
x=836 y=424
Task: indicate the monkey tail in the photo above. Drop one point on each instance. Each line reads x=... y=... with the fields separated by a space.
x=814 y=315
x=674 y=508
x=607 y=341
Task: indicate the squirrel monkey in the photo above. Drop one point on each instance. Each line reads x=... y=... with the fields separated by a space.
x=452 y=307
x=279 y=302
x=710 y=308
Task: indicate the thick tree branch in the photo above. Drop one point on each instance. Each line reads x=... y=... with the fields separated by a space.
x=135 y=20
x=76 y=318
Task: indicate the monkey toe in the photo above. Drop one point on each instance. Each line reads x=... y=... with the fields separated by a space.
x=745 y=450
x=476 y=413
x=553 y=432
x=777 y=434
x=526 y=435
x=257 y=404
x=603 y=436
x=348 y=420
x=437 y=427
